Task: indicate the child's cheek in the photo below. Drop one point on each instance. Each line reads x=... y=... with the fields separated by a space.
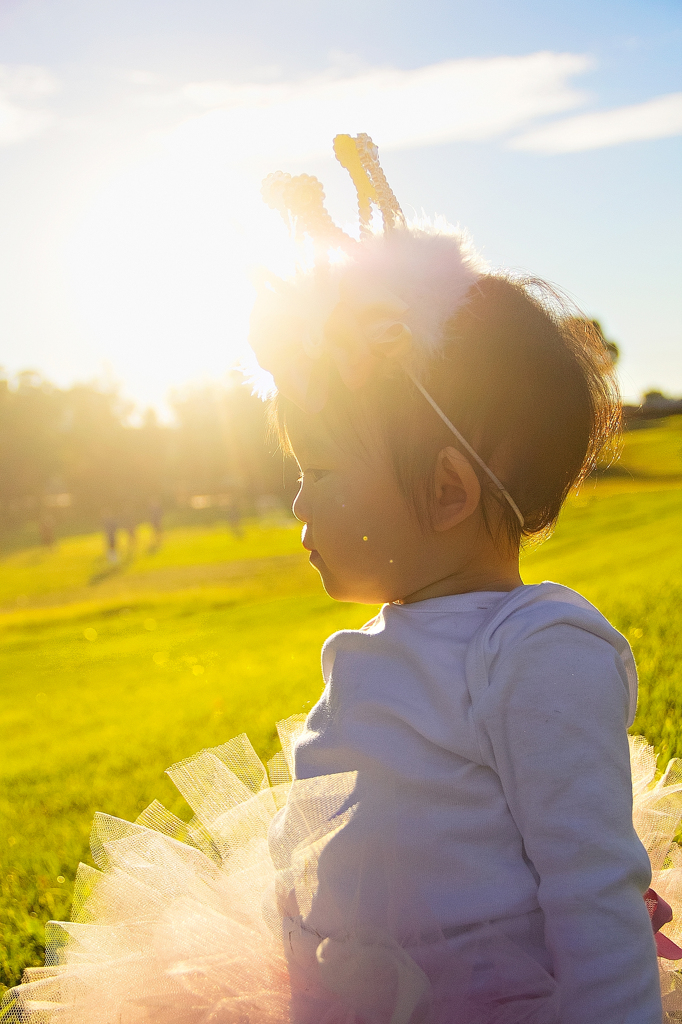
x=350 y=522
x=342 y=505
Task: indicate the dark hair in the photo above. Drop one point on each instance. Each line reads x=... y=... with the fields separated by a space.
x=526 y=380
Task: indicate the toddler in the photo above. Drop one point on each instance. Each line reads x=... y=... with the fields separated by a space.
x=438 y=414
x=448 y=837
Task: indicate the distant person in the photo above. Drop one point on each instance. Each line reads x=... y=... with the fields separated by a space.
x=129 y=526
x=233 y=515
x=110 y=527
x=46 y=529
x=156 y=523
x=457 y=844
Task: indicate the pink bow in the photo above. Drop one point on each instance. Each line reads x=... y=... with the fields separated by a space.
x=661 y=913
x=298 y=334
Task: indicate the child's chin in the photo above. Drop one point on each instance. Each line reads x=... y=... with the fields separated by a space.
x=335 y=589
x=357 y=594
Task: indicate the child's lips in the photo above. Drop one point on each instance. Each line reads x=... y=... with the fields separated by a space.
x=306 y=539
x=315 y=558
x=314 y=553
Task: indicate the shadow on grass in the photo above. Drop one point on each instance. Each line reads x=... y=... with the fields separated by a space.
x=109 y=570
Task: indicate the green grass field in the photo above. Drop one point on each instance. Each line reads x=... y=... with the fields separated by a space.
x=109 y=675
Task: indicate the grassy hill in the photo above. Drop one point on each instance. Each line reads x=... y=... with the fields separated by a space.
x=109 y=674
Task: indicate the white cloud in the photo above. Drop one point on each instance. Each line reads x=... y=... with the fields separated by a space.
x=140 y=78
x=22 y=87
x=472 y=99
x=24 y=81
x=659 y=118
x=18 y=124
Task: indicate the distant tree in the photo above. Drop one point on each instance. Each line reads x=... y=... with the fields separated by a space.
x=581 y=323
x=29 y=445
x=95 y=447
x=611 y=346
x=221 y=444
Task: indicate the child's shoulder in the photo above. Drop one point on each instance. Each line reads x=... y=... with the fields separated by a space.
x=529 y=609
x=558 y=620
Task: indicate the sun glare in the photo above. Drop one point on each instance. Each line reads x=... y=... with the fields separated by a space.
x=160 y=262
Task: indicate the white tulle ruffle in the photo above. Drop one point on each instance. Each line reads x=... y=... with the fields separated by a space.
x=180 y=924
x=657 y=815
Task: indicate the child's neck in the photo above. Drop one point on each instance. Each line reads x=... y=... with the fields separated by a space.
x=500 y=576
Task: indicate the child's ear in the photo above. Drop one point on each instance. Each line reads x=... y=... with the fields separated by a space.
x=457 y=489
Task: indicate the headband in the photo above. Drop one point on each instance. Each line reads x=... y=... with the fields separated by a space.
x=386 y=296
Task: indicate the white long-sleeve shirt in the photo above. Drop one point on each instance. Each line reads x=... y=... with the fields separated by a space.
x=488 y=731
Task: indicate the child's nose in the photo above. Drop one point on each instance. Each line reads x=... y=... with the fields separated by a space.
x=300 y=505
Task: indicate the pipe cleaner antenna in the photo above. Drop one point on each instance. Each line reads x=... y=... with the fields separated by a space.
x=360 y=157
x=347 y=153
x=388 y=204
x=300 y=201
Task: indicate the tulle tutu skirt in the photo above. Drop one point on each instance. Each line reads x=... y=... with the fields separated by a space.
x=204 y=922
x=657 y=816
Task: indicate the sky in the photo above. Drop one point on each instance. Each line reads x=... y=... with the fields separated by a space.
x=134 y=136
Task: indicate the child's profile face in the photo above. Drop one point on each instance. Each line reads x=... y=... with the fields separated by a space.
x=363 y=537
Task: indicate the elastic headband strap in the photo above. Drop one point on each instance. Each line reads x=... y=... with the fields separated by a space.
x=465 y=444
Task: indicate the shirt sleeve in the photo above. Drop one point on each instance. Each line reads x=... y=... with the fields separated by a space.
x=552 y=723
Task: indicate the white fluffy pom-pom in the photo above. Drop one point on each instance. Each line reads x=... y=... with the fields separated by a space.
x=431 y=266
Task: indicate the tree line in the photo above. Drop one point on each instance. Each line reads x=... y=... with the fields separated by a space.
x=72 y=456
